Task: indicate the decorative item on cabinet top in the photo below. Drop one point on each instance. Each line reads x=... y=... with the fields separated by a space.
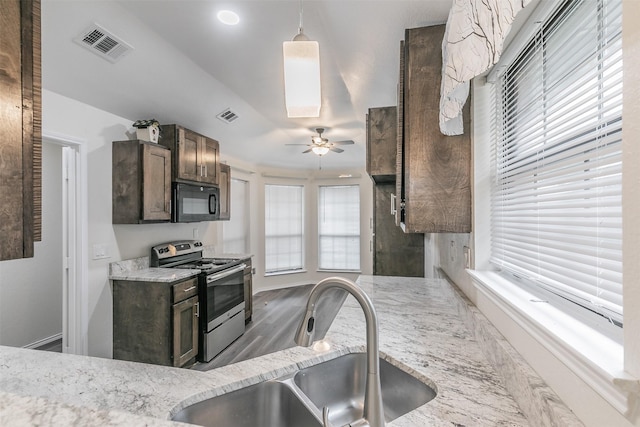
x=148 y=130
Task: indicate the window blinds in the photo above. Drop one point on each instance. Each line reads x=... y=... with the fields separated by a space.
x=556 y=215
x=283 y=228
x=339 y=227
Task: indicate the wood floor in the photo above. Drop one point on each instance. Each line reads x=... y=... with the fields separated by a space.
x=276 y=316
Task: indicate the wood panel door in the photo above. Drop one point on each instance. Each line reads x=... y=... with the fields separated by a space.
x=189 y=164
x=185 y=331
x=436 y=169
x=156 y=183
x=210 y=160
x=395 y=253
x=382 y=130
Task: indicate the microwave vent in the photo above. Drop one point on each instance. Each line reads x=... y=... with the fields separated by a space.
x=103 y=43
x=227 y=116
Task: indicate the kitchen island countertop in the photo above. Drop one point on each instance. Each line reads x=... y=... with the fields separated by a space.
x=421 y=331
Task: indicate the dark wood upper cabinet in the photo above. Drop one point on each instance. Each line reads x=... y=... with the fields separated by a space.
x=434 y=170
x=141 y=182
x=225 y=192
x=20 y=128
x=381 y=144
x=196 y=158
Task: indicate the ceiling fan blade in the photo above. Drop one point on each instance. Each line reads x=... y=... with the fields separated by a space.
x=307 y=151
x=347 y=142
x=299 y=144
x=336 y=149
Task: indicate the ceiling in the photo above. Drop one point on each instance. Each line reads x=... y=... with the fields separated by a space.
x=186 y=67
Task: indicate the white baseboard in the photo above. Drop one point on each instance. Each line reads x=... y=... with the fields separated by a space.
x=44 y=341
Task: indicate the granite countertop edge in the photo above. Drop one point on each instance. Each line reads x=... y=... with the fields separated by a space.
x=420 y=332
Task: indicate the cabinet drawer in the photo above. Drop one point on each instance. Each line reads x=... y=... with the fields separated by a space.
x=184 y=290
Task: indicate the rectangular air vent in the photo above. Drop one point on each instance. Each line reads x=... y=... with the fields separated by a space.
x=227 y=116
x=103 y=43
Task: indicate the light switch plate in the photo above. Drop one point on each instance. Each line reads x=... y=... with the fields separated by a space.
x=101 y=251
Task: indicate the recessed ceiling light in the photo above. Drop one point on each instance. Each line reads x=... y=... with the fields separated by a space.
x=228 y=17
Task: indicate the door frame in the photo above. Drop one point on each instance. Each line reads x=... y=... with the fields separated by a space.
x=75 y=321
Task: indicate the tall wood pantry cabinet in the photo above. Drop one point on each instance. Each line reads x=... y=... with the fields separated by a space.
x=141 y=182
x=434 y=171
x=156 y=322
x=196 y=158
x=395 y=253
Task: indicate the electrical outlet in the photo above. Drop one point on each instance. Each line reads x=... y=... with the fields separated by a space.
x=452 y=251
x=196 y=233
x=467 y=257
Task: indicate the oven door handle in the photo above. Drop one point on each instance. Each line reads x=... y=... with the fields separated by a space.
x=225 y=273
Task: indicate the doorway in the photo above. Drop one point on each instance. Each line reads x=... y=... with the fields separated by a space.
x=74 y=243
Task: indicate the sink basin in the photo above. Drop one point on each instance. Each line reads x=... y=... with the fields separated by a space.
x=267 y=404
x=339 y=384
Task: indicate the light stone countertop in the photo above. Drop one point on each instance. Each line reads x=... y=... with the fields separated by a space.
x=421 y=331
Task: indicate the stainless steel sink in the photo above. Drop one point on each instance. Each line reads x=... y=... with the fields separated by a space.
x=267 y=404
x=298 y=399
x=339 y=385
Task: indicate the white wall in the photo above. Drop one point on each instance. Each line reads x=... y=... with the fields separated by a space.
x=97 y=129
x=31 y=288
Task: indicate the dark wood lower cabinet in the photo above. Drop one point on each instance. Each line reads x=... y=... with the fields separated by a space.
x=156 y=322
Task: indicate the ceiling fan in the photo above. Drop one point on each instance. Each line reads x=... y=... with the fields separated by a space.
x=321 y=145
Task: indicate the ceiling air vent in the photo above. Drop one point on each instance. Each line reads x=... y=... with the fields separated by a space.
x=227 y=116
x=103 y=43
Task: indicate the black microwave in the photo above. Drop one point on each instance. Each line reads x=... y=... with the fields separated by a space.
x=194 y=203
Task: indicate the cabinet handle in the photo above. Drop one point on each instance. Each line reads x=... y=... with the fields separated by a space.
x=198 y=309
x=190 y=289
x=205 y=171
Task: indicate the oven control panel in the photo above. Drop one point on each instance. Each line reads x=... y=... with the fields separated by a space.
x=173 y=249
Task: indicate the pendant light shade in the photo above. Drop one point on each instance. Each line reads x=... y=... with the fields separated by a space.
x=302 y=75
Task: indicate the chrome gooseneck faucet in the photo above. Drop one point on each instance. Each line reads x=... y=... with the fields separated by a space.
x=373 y=409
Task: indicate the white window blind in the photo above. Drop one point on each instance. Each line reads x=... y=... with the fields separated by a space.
x=556 y=186
x=235 y=232
x=339 y=227
x=283 y=228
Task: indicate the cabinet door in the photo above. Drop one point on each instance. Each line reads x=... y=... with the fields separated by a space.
x=189 y=166
x=156 y=183
x=395 y=253
x=436 y=169
x=185 y=331
x=209 y=158
x=225 y=192
x=381 y=143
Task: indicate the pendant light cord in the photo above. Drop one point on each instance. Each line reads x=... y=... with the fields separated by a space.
x=300 y=26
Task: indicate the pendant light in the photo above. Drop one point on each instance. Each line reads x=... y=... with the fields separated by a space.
x=302 y=75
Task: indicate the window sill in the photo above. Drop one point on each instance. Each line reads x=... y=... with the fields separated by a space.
x=283 y=273
x=322 y=270
x=593 y=357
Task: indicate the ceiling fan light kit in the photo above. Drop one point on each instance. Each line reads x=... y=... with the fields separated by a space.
x=321 y=146
x=302 y=75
